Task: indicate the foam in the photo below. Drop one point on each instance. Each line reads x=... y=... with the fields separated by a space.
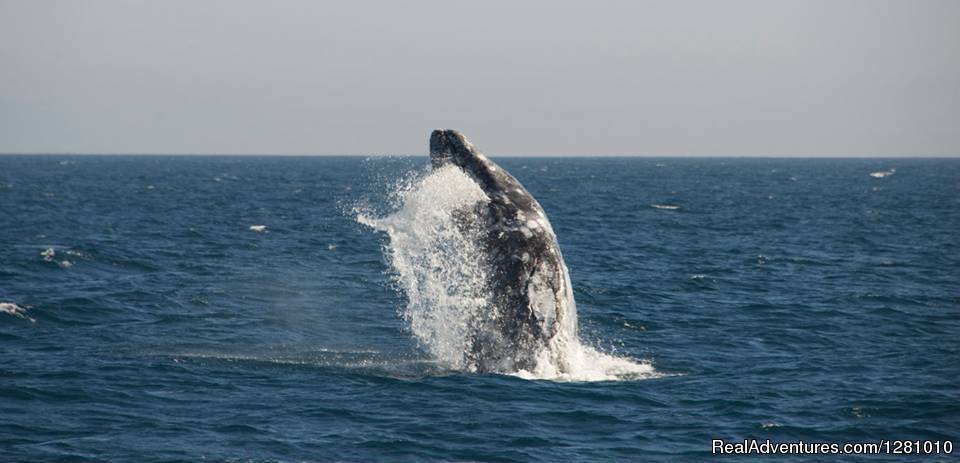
x=668 y=207
x=50 y=255
x=587 y=364
x=15 y=310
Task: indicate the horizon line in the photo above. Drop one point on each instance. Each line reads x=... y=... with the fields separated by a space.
x=698 y=155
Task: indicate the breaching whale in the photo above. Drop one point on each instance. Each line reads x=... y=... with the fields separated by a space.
x=532 y=310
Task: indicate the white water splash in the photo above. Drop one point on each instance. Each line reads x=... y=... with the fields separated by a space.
x=49 y=255
x=440 y=267
x=15 y=310
x=437 y=263
x=585 y=363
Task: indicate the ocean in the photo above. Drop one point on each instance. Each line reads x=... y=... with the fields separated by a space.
x=244 y=309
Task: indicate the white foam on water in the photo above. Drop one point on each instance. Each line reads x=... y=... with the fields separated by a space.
x=440 y=266
x=258 y=228
x=15 y=310
x=668 y=207
x=585 y=363
x=883 y=173
x=50 y=255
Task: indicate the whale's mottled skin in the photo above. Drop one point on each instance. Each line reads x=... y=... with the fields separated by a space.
x=530 y=291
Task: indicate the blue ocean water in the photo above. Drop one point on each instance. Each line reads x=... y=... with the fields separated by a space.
x=144 y=320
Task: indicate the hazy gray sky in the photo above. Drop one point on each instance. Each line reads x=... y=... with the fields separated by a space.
x=761 y=77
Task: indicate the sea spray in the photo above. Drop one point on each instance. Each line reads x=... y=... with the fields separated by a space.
x=439 y=263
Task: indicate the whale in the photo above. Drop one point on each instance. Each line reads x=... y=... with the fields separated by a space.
x=531 y=304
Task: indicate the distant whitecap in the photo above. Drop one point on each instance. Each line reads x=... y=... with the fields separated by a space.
x=668 y=207
x=883 y=173
x=15 y=310
x=258 y=228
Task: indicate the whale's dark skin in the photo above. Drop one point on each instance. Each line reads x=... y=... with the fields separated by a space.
x=528 y=286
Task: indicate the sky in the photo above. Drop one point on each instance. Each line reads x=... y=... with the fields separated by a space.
x=694 y=78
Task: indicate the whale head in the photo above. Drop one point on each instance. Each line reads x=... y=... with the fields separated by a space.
x=451 y=147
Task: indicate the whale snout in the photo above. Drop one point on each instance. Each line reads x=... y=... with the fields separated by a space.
x=451 y=147
x=448 y=146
